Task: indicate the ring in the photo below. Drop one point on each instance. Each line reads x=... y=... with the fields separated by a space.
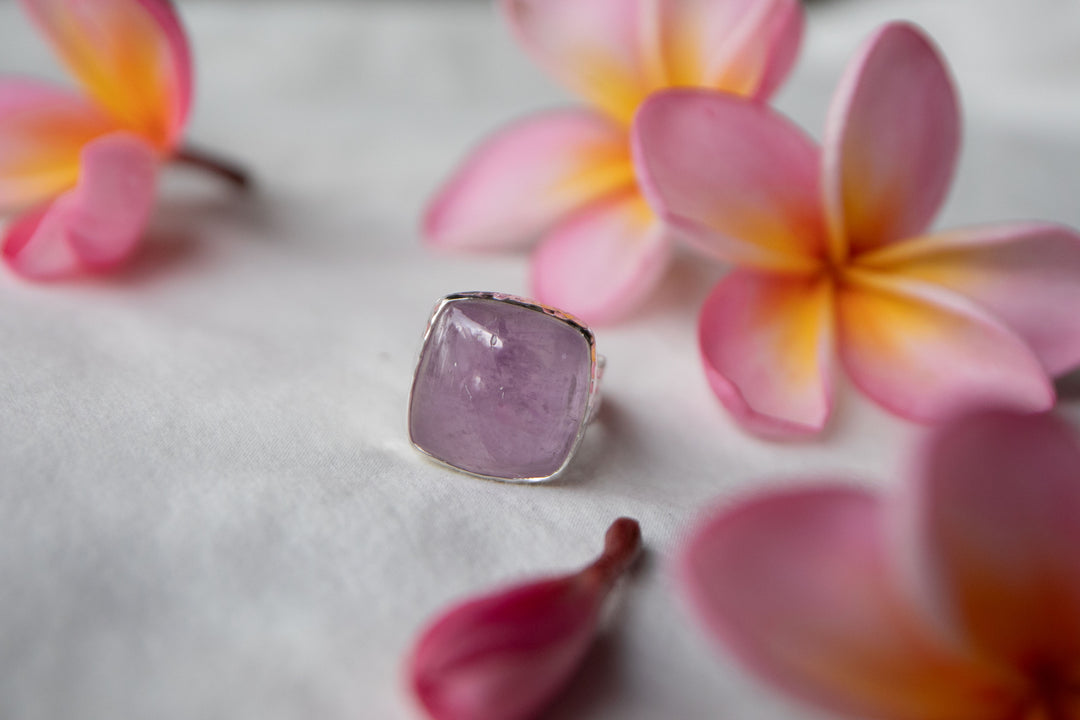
x=504 y=387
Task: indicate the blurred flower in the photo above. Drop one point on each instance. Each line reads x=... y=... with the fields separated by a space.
x=958 y=598
x=568 y=174
x=507 y=656
x=833 y=259
x=83 y=167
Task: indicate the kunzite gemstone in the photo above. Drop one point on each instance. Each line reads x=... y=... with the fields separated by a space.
x=501 y=389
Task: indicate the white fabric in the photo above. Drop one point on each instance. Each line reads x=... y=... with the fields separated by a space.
x=208 y=504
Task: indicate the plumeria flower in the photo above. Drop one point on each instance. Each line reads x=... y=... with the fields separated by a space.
x=834 y=260
x=82 y=167
x=507 y=655
x=955 y=598
x=567 y=174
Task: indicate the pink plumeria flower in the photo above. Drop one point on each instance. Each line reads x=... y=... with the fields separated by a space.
x=834 y=260
x=568 y=174
x=507 y=656
x=82 y=167
x=955 y=598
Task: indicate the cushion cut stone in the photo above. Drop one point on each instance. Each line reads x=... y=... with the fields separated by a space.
x=501 y=389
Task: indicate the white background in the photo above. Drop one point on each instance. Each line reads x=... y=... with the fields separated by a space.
x=208 y=504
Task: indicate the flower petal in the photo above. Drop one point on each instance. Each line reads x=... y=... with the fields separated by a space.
x=526 y=177
x=97 y=224
x=35 y=245
x=920 y=351
x=603 y=262
x=768 y=346
x=745 y=47
x=42 y=131
x=505 y=655
x=891 y=142
x=798 y=585
x=132 y=56
x=999 y=508
x=740 y=181
x=1027 y=274
x=772 y=46
x=593 y=46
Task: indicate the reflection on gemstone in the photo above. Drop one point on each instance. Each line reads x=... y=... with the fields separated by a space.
x=501 y=389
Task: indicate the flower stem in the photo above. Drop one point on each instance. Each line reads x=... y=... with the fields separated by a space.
x=203 y=160
x=621 y=546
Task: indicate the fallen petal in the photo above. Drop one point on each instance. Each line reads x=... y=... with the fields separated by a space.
x=506 y=656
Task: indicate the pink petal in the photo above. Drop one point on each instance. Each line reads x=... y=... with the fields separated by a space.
x=526 y=177
x=1027 y=274
x=745 y=47
x=1000 y=512
x=603 y=262
x=42 y=131
x=774 y=44
x=768 y=346
x=615 y=52
x=921 y=351
x=132 y=56
x=891 y=141
x=738 y=180
x=34 y=244
x=97 y=224
x=505 y=656
x=593 y=46
x=798 y=585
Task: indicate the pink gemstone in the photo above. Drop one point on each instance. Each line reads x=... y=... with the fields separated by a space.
x=502 y=388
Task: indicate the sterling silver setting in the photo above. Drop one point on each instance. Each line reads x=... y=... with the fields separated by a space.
x=596 y=361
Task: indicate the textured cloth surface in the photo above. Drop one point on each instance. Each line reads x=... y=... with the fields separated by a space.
x=208 y=504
